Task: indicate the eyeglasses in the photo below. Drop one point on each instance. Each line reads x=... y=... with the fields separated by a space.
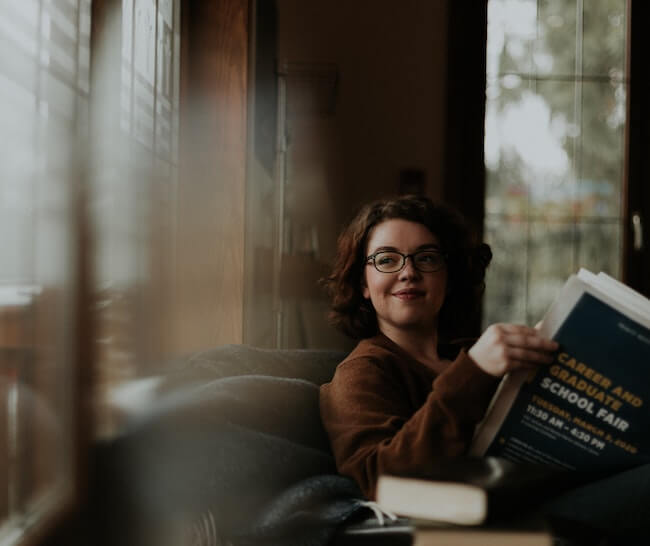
x=391 y=261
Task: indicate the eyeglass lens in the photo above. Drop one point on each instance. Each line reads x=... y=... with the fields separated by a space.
x=425 y=261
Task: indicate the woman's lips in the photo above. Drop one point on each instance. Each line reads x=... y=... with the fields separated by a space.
x=408 y=294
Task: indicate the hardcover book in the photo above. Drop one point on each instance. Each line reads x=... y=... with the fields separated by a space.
x=471 y=491
x=588 y=410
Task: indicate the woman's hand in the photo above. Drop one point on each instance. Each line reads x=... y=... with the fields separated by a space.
x=506 y=347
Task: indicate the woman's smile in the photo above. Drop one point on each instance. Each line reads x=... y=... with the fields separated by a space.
x=409 y=294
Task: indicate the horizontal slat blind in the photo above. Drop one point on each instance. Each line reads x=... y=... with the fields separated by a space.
x=134 y=191
x=44 y=88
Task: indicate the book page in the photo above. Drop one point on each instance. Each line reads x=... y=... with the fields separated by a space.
x=632 y=297
x=585 y=281
x=561 y=307
x=498 y=409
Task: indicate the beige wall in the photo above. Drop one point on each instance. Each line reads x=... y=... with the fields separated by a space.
x=390 y=107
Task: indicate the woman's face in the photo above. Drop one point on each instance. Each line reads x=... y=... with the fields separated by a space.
x=407 y=300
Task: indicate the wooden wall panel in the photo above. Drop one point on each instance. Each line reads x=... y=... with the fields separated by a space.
x=211 y=190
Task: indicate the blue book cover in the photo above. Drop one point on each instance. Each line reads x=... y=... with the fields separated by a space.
x=589 y=409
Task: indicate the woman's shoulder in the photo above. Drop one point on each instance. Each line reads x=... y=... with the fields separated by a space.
x=381 y=351
x=372 y=366
x=373 y=349
x=374 y=353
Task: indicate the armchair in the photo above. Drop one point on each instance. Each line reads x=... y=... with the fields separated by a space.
x=229 y=449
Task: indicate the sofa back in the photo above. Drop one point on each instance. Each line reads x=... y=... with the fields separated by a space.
x=314 y=365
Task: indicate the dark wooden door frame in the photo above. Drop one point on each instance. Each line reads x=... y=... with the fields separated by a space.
x=636 y=264
x=464 y=169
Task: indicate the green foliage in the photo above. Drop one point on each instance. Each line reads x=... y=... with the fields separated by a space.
x=556 y=111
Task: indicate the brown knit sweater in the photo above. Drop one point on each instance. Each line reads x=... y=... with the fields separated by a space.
x=385 y=412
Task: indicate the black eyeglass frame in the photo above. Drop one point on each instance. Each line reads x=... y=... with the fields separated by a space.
x=372 y=259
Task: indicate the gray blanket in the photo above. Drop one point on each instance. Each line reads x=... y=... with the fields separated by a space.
x=241 y=460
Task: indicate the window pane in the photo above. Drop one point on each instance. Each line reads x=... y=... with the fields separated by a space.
x=43 y=93
x=554 y=148
x=604 y=37
x=600 y=247
x=506 y=277
x=602 y=150
x=555 y=51
x=134 y=196
x=506 y=188
x=550 y=171
x=511 y=27
x=550 y=262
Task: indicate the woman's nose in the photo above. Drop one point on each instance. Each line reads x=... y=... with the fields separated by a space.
x=409 y=271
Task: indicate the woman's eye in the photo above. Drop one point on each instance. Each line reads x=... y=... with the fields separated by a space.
x=385 y=260
x=429 y=258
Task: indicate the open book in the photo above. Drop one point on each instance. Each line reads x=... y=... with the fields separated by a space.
x=590 y=409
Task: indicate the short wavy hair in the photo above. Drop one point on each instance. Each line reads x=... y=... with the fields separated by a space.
x=467 y=260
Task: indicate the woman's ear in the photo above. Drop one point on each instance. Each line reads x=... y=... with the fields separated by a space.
x=365 y=291
x=364 y=288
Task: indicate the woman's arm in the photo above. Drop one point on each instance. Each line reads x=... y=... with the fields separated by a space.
x=374 y=428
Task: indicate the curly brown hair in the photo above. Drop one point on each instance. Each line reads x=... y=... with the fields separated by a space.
x=466 y=259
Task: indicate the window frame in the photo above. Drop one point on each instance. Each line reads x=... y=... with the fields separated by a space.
x=636 y=263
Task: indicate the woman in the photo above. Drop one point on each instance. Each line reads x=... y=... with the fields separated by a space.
x=407 y=274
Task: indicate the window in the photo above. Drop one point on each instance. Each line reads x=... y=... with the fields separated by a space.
x=133 y=189
x=44 y=86
x=45 y=146
x=555 y=130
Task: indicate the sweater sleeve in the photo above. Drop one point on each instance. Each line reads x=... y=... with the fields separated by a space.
x=373 y=428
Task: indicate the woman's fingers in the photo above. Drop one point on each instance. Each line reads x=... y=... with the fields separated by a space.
x=514 y=328
x=505 y=347
x=532 y=341
x=516 y=335
x=527 y=355
x=518 y=331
